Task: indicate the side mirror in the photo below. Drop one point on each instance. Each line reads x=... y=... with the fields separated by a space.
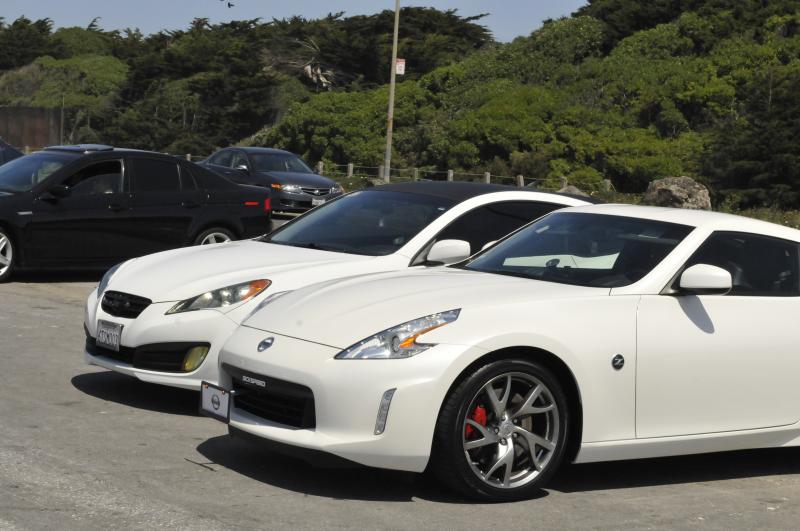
x=704 y=279
x=488 y=244
x=449 y=251
x=56 y=192
x=243 y=168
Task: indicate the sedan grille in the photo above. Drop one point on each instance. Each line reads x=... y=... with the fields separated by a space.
x=124 y=305
x=316 y=191
x=278 y=401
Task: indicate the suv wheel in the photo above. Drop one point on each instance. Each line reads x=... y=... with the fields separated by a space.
x=7 y=256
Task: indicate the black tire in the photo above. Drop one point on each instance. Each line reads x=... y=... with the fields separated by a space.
x=449 y=462
x=8 y=252
x=203 y=236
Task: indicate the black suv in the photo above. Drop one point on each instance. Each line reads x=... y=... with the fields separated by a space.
x=91 y=206
x=295 y=187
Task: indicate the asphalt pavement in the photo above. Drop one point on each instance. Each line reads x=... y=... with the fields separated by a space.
x=83 y=448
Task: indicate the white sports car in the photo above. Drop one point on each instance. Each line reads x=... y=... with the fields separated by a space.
x=596 y=333
x=163 y=318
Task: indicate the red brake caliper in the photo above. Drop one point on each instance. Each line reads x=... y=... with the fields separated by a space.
x=479 y=416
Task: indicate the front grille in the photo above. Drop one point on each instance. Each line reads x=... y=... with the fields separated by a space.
x=162 y=357
x=124 y=305
x=316 y=191
x=279 y=401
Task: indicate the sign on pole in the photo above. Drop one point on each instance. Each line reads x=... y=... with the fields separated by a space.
x=401 y=67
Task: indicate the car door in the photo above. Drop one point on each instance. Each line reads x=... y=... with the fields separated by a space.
x=86 y=226
x=489 y=223
x=165 y=203
x=719 y=363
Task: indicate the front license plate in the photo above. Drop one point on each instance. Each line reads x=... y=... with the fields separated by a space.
x=108 y=335
x=215 y=402
x=317 y=202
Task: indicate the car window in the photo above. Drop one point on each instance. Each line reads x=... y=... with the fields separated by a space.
x=206 y=179
x=221 y=158
x=491 y=222
x=22 y=174
x=369 y=222
x=284 y=162
x=97 y=179
x=154 y=175
x=239 y=159
x=583 y=249
x=759 y=265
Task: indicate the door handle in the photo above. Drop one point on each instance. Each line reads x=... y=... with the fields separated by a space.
x=115 y=207
x=190 y=204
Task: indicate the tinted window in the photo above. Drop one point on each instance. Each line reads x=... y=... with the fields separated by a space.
x=206 y=179
x=583 y=249
x=239 y=159
x=492 y=222
x=22 y=174
x=759 y=265
x=97 y=179
x=279 y=162
x=368 y=222
x=221 y=158
x=153 y=175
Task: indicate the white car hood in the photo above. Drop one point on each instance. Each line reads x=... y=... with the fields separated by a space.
x=183 y=273
x=342 y=313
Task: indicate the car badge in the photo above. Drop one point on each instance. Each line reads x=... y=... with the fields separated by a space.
x=267 y=343
x=618 y=362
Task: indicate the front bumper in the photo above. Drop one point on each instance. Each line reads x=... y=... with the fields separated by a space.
x=297 y=202
x=346 y=397
x=153 y=328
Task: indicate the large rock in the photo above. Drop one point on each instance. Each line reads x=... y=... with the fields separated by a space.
x=678 y=192
x=573 y=190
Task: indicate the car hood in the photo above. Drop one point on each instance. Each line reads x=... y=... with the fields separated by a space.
x=301 y=179
x=342 y=313
x=183 y=273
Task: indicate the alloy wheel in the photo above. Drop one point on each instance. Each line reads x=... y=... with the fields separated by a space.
x=6 y=254
x=511 y=430
x=215 y=237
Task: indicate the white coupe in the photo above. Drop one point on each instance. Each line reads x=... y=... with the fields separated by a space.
x=163 y=318
x=595 y=333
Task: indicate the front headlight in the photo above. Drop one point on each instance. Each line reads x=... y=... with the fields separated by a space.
x=400 y=341
x=337 y=189
x=101 y=287
x=291 y=188
x=221 y=298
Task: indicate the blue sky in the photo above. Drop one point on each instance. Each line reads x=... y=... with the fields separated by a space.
x=508 y=18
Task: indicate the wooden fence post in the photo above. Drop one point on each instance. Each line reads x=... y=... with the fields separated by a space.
x=27 y=150
x=416 y=174
x=606 y=185
x=564 y=182
x=520 y=181
x=487 y=177
x=189 y=157
x=350 y=170
x=450 y=175
x=321 y=168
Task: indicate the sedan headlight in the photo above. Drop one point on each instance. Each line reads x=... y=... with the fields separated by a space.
x=291 y=188
x=400 y=341
x=221 y=298
x=337 y=189
x=101 y=288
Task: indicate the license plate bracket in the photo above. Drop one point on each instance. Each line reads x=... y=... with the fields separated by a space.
x=215 y=402
x=109 y=335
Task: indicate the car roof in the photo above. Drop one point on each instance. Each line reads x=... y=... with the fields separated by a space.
x=462 y=191
x=263 y=150
x=693 y=218
x=99 y=149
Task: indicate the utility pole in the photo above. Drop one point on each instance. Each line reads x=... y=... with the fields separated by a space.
x=387 y=161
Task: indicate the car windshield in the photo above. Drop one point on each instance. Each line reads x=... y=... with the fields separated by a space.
x=22 y=174
x=583 y=249
x=369 y=222
x=278 y=162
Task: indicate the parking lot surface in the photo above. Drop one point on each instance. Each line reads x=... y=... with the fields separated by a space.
x=83 y=448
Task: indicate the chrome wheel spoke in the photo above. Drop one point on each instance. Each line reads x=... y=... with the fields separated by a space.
x=527 y=407
x=499 y=404
x=533 y=440
x=487 y=436
x=3 y=260
x=505 y=458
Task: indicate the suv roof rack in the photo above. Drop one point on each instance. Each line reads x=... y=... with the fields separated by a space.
x=81 y=148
